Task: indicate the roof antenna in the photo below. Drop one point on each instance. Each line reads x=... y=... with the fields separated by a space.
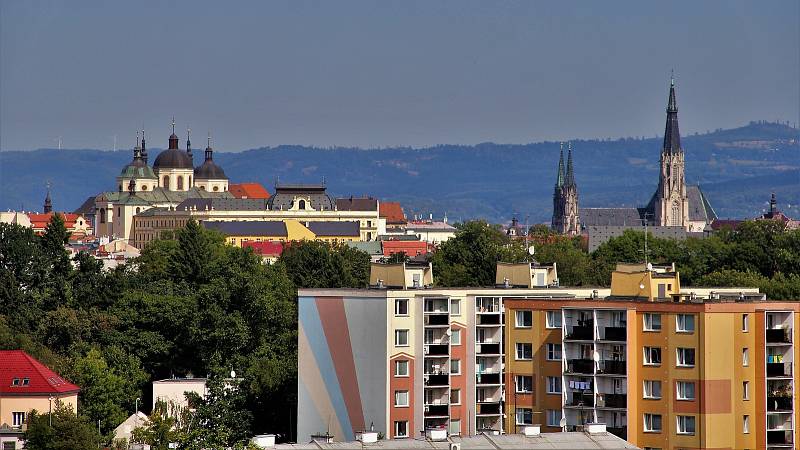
x=173 y=124
x=672 y=77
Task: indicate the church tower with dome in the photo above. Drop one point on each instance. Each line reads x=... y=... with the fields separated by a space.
x=209 y=176
x=173 y=166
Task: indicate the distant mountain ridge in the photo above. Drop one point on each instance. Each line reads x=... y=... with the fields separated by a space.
x=736 y=168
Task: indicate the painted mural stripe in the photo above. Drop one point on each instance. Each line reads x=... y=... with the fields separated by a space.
x=319 y=345
x=334 y=323
x=313 y=386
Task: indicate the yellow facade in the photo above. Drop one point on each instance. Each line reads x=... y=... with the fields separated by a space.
x=27 y=403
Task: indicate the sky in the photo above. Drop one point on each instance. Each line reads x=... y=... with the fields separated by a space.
x=388 y=73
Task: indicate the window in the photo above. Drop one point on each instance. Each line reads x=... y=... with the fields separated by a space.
x=745 y=326
x=455 y=337
x=652 y=322
x=553 y=319
x=746 y=424
x=553 y=352
x=401 y=368
x=652 y=423
x=523 y=383
x=401 y=429
x=524 y=416
x=455 y=427
x=652 y=356
x=685 y=357
x=553 y=385
x=17 y=419
x=455 y=396
x=685 y=424
x=652 y=389
x=684 y=390
x=745 y=390
x=180 y=182
x=455 y=307
x=524 y=319
x=300 y=205
x=745 y=357
x=401 y=398
x=553 y=418
x=455 y=367
x=401 y=338
x=401 y=307
x=524 y=351
x=166 y=181
x=684 y=323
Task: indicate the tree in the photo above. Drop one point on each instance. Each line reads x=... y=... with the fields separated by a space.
x=103 y=391
x=67 y=432
x=195 y=254
x=53 y=240
x=166 y=425
x=220 y=420
x=316 y=264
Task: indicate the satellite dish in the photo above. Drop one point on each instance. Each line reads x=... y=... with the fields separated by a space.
x=596 y=357
x=449 y=332
x=233 y=374
x=641 y=285
x=531 y=250
x=563 y=422
x=650 y=266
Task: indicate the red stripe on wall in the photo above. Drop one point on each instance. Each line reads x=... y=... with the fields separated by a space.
x=334 y=324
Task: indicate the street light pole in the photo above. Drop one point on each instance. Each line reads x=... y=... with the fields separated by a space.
x=50 y=416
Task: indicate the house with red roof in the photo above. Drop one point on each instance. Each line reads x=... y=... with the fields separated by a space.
x=248 y=190
x=75 y=224
x=26 y=384
x=269 y=251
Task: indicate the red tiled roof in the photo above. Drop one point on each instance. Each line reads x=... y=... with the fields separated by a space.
x=720 y=223
x=393 y=213
x=16 y=364
x=268 y=248
x=40 y=221
x=248 y=190
x=410 y=248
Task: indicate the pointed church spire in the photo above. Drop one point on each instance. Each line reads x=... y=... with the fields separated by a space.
x=209 y=150
x=48 y=203
x=137 y=151
x=560 y=175
x=144 y=148
x=189 y=141
x=672 y=136
x=570 y=181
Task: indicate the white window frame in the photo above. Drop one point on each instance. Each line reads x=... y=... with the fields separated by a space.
x=397 y=402
x=648 y=422
x=455 y=311
x=397 y=334
x=649 y=392
x=550 y=322
x=457 y=393
x=745 y=323
x=457 y=363
x=521 y=345
x=397 y=428
x=397 y=303
x=455 y=336
x=682 y=423
x=451 y=426
x=521 y=313
x=647 y=359
x=746 y=424
x=681 y=390
x=680 y=356
x=522 y=411
x=681 y=323
x=647 y=322
x=18 y=419
x=745 y=357
x=554 y=382
x=553 y=417
x=517 y=383
x=554 y=350
x=745 y=390
x=397 y=364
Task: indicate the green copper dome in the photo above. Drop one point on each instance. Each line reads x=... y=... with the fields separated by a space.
x=137 y=169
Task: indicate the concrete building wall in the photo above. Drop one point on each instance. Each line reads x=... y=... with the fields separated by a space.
x=41 y=403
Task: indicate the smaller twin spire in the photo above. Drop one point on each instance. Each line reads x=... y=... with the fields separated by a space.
x=209 y=150
x=48 y=203
x=560 y=175
x=189 y=141
x=570 y=178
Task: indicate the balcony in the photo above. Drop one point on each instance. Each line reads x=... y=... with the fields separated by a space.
x=775 y=370
x=779 y=437
x=437 y=380
x=488 y=319
x=613 y=367
x=488 y=408
x=779 y=403
x=437 y=320
x=582 y=332
x=487 y=378
x=615 y=334
x=582 y=366
x=620 y=432
x=580 y=399
x=437 y=350
x=487 y=349
x=437 y=410
x=779 y=336
x=612 y=401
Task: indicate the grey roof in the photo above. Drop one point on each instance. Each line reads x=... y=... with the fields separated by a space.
x=699 y=207
x=173 y=158
x=611 y=216
x=224 y=204
x=357 y=204
x=248 y=228
x=570 y=440
x=285 y=194
x=672 y=137
x=87 y=207
x=371 y=247
x=161 y=195
x=335 y=228
x=137 y=169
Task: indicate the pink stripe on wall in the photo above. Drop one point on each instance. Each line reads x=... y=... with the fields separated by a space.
x=334 y=323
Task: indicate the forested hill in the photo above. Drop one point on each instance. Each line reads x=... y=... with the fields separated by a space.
x=737 y=169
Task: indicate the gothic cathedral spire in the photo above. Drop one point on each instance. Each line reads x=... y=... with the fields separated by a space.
x=565 y=197
x=671 y=206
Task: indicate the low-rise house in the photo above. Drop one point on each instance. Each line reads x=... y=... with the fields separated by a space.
x=173 y=390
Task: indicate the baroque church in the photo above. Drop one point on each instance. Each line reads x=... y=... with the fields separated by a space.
x=674 y=204
x=172 y=179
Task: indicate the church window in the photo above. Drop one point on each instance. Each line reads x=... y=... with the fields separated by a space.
x=102 y=215
x=166 y=181
x=202 y=188
x=216 y=188
x=190 y=181
x=137 y=210
x=180 y=182
x=301 y=204
x=144 y=188
x=120 y=188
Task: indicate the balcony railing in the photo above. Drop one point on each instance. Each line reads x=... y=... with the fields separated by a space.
x=441 y=319
x=613 y=367
x=581 y=332
x=487 y=349
x=620 y=432
x=615 y=334
x=437 y=350
x=779 y=403
x=580 y=399
x=584 y=366
x=488 y=378
x=437 y=410
x=489 y=319
x=779 y=437
x=613 y=401
x=778 y=336
x=488 y=408
x=779 y=369
x=437 y=380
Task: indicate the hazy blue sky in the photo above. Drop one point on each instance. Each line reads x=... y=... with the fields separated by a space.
x=388 y=73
